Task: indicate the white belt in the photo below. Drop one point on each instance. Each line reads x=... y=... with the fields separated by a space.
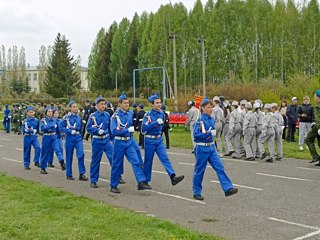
x=205 y=144
x=29 y=134
x=49 y=134
x=122 y=138
x=152 y=136
x=100 y=137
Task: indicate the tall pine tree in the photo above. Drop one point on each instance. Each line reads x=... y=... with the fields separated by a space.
x=62 y=80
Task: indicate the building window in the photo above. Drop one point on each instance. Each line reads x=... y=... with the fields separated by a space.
x=35 y=77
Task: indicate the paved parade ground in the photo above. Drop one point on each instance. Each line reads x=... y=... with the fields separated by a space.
x=277 y=200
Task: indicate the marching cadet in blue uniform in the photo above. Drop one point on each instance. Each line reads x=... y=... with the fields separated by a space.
x=99 y=127
x=206 y=152
x=49 y=127
x=71 y=126
x=152 y=125
x=59 y=140
x=6 y=119
x=30 y=130
x=122 y=128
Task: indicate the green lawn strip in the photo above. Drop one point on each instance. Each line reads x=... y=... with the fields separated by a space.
x=31 y=211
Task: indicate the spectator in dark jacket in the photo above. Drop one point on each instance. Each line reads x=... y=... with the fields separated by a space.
x=305 y=113
x=292 y=117
x=166 y=127
x=138 y=123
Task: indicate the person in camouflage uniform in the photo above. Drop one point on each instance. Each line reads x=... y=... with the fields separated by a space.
x=315 y=131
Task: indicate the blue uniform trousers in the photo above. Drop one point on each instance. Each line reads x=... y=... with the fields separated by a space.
x=153 y=146
x=29 y=141
x=56 y=148
x=6 y=124
x=209 y=154
x=121 y=149
x=137 y=148
x=98 y=147
x=70 y=146
x=49 y=144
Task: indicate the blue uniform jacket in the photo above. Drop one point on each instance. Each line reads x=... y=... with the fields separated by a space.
x=208 y=122
x=71 y=122
x=97 y=121
x=29 y=125
x=120 y=122
x=150 y=126
x=6 y=113
x=58 y=132
x=48 y=125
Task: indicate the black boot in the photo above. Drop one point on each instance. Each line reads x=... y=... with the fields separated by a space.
x=175 y=180
x=231 y=191
x=43 y=171
x=63 y=165
x=143 y=186
x=83 y=177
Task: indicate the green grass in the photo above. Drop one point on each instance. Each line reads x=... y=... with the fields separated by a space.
x=32 y=211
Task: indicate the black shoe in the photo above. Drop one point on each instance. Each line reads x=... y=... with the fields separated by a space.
x=43 y=171
x=82 y=177
x=231 y=191
x=270 y=160
x=279 y=158
x=63 y=166
x=314 y=160
x=37 y=164
x=94 y=185
x=198 y=197
x=27 y=168
x=175 y=180
x=264 y=155
x=70 y=178
x=115 y=190
x=143 y=186
x=121 y=181
x=318 y=164
x=167 y=147
x=250 y=159
x=192 y=151
x=50 y=165
x=229 y=153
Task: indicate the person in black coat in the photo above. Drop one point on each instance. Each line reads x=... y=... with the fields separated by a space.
x=109 y=109
x=166 y=127
x=85 y=116
x=138 y=123
x=305 y=113
x=292 y=117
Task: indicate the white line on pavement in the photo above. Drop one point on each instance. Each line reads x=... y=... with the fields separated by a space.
x=6 y=139
x=278 y=176
x=104 y=180
x=19 y=149
x=176 y=196
x=293 y=223
x=239 y=160
x=155 y=171
x=87 y=150
x=308 y=235
x=181 y=154
x=237 y=185
x=189 y=164
x=309 y=168
x=12 y=160
x=1 y=146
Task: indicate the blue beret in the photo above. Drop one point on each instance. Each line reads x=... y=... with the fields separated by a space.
x=93 y=103
x=204 y=101
x=108 y=104
x=71 y=102
x=48 y=108
x=55 y=108
x=29 y=108
x=122 y=96
x=163 y=107
x=87 y=101
x=134 y=105
x=318 y=93
x=99 y=99
x=141 y=105
x=153 y=97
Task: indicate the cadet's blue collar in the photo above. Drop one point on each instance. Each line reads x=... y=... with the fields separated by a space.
x=122 y=112
x=206 y=116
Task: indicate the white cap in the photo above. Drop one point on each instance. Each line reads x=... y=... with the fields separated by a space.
x=274 y=105
x=294 y=98
x=243 y=102
x=216 y=98
x=267 y=106
x=248 y=105
x=256 y=105
x=226 y=103
x=235 y=103
x=190 y=103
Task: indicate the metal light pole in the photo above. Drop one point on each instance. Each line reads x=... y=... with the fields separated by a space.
x=173 y=37
x=201 y=40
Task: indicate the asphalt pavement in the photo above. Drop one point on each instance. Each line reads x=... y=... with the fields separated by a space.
x=277 y=200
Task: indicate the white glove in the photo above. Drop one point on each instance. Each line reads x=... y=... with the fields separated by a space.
x=73 y=132
x=101 y=132
x=282 y=127
x=312 y=124
x=160 y=121
x=55 y=126
x=214 y=132
x=318 y=131
x=84 y=121
x=9 y=116
x=131 y=129
x=34 y=131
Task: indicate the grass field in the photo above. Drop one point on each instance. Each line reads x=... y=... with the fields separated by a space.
x=31 y=211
